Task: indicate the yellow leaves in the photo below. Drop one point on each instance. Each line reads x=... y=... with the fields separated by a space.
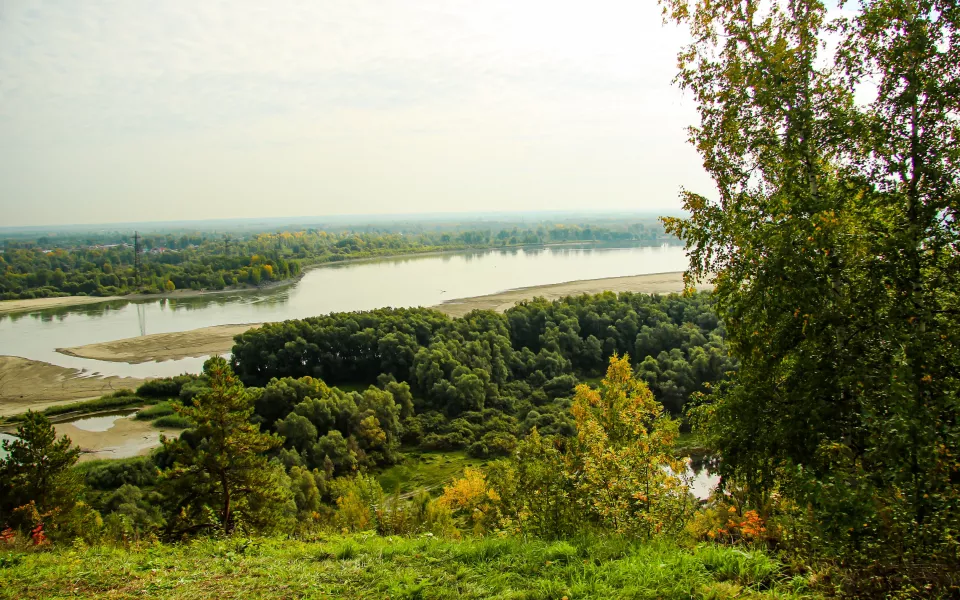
x=624 y=442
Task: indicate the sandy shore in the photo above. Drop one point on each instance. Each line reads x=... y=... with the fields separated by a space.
x=30 y=384
x=219 y=339
x=657 y=283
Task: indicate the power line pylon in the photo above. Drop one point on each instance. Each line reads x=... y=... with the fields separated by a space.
x=137 y=259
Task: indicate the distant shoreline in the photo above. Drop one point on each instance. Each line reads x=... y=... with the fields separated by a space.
x=37 y=304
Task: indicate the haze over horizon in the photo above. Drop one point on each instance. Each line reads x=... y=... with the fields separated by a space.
x=129 y=111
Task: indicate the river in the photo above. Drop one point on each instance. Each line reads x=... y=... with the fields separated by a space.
x=424 y=280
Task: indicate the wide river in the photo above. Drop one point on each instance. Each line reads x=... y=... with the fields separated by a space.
x=425 y=280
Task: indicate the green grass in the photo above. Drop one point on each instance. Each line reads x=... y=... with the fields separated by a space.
x=156 y=411
x=690 y=443
x=120 y=399
x=173 y=421
x=425 y=470
x=368 y=566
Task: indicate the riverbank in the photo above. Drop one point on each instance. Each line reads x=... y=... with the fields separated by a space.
x=219 y=339
x=37 y=304
x=33 y=385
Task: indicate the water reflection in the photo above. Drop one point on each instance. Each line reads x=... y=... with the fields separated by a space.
x=5 y=437
x=702 y=468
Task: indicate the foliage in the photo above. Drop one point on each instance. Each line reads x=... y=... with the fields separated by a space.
x=485 y=360
x=538 y=495
x=38 y=489
x=219 y=476
x=834 y=242
x=622 y=458
x=328 y=428
x=473 y=502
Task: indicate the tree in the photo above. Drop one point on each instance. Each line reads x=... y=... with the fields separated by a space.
x=833 y=238
x=622 y=461
x=38 y=484
x=219 y=468
x=168 y=286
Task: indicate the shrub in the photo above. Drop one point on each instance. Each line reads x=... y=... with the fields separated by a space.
x=156 y=411
x=174 y=422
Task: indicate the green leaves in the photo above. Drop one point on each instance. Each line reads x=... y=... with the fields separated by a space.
x=833 y=238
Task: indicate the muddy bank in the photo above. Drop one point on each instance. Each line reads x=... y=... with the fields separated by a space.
x=34 y=385
x=219 y=339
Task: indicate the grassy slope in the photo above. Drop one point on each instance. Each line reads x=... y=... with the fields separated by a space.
x=368 y=566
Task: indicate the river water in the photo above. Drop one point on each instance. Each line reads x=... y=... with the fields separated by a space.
x=424 y=280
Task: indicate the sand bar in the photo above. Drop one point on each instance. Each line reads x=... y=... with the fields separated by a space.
x=657 y=283
x=163 y=346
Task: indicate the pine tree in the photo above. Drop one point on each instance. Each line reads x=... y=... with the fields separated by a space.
x=219 y=467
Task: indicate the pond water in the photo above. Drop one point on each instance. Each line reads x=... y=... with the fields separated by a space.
x=424 y=280
x=102 y=422
x=703 y=481
x=5 y=438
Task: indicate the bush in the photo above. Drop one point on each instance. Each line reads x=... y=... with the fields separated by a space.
x=156 y=411
x=168 y=387
x=173 y=421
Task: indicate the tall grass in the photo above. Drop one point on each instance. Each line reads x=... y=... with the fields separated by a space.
x=156 y=411
x=368 y=566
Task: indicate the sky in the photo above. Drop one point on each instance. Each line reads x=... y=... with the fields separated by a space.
x=127 y=110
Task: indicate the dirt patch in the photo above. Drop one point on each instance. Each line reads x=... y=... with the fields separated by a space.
x=34 y=385
x=163 y=346
x=127 y=437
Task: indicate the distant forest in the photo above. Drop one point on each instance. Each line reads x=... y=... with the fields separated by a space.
x=103 y=264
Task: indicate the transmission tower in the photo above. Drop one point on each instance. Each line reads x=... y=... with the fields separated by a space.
x=137 y=259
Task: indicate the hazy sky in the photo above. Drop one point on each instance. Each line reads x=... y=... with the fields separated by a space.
x=127 y=110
